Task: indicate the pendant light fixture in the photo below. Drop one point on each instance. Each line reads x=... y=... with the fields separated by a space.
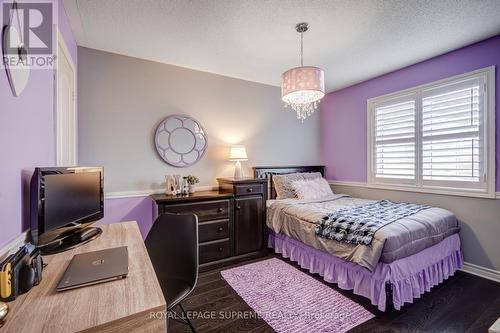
x=303 y=87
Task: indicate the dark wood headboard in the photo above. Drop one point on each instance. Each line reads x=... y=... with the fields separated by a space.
x=267 y=172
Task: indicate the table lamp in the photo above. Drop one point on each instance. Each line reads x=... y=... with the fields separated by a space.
x=237 y=154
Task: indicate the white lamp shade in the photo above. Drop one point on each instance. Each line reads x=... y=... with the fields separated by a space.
x=238 y=153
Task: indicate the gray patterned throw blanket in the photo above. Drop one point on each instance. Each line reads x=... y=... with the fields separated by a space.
x=358 y=224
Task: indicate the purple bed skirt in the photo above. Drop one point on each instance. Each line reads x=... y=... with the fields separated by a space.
x=410 y=277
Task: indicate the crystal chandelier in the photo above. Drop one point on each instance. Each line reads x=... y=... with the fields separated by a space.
x=303 y=87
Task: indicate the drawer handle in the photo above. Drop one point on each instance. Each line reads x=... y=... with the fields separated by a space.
x=220 y=229
x=220 y=210
x=250 y=189
x=238 y=207
x=220 y=249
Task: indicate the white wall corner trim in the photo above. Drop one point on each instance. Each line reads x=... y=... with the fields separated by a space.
x=145 y=193
x=14 y=244
x=483 y=272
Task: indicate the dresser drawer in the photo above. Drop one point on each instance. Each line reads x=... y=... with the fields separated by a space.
x=214 y=250
x=206 y=211
x=209 y=231
x=246 y=189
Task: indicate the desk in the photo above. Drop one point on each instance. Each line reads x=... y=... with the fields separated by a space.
x=118 y=306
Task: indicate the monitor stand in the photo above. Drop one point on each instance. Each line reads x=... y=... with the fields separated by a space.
x=76 y=239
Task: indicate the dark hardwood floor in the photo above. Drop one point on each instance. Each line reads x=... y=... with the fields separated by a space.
x=463 y=303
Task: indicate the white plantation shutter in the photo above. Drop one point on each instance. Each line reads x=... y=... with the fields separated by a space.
x=439 y=137
x=394 y=130
x=452 y=134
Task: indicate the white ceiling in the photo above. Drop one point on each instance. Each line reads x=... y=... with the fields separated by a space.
x=352 y=40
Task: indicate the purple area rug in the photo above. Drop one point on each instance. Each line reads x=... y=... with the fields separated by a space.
x=292 y=301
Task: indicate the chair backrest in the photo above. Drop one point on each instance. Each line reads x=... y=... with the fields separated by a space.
x=172 y=244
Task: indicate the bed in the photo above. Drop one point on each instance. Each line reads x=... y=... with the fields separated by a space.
x=405 y=259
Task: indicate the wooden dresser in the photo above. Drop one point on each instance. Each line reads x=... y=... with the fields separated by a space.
x=231 y=220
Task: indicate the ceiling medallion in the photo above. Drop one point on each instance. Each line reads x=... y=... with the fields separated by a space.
x=303 y=87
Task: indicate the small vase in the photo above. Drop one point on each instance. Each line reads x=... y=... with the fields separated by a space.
x=178 y=184
x=170 y=184
x=192 y=188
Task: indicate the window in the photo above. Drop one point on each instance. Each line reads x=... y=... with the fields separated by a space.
x=438 y=137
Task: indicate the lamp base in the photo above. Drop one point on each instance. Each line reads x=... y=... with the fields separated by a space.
x=237 y=170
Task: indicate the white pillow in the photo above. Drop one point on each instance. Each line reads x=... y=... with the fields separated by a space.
x=316 y=188
x=283 y=183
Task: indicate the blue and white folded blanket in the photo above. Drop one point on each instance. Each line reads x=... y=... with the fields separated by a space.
x=358 y=224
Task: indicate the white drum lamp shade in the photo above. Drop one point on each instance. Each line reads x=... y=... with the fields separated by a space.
x=238 y=153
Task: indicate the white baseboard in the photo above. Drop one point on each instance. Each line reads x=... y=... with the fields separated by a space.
x=481 y=271
x=145 y=193
x=14 y=244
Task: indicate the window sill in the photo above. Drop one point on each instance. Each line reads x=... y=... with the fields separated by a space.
x=435 y=190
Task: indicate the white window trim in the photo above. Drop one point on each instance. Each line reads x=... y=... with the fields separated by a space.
x=59 y=142
x=489 y=192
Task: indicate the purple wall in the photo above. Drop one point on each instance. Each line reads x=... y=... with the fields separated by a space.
x=66 y=32
x=343 y=112
x=26 y=139
x=140 y=209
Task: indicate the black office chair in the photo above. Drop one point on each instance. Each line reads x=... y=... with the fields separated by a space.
x=172 y=245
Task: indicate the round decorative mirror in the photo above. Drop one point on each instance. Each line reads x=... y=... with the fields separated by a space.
x=180 y=140
x=16 y=64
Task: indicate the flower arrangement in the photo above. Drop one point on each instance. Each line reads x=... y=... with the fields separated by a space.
x=192 y=180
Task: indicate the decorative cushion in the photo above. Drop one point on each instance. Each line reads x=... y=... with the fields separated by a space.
x=312 y=188
x=283 y=183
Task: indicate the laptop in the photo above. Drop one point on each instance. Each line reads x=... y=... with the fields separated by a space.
x=90 y=268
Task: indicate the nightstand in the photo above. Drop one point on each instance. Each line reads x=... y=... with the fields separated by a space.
x=249 y=206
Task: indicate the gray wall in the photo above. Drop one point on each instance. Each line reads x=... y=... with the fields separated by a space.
x=479 y=219
x=122 y=99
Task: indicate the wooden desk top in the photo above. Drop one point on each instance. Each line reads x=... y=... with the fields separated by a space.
x=118 y=306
